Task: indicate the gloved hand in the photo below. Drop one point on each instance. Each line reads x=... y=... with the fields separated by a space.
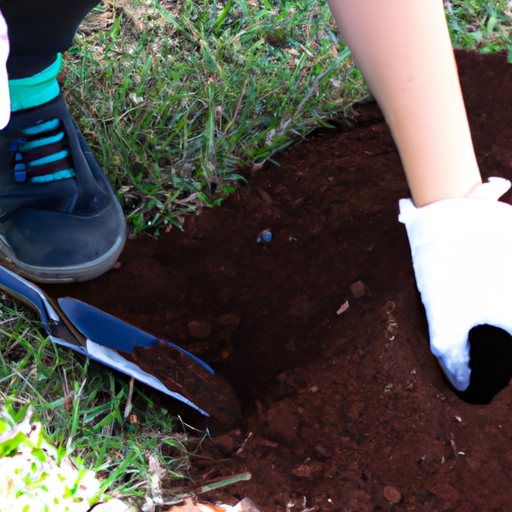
x=5 y=103
x=462 y=256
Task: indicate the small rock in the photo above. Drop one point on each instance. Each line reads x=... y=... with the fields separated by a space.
x=229 y=320
x=391 y=494
x=199 y=329
x=343 y=308
x=358 y=289
x=322 y=451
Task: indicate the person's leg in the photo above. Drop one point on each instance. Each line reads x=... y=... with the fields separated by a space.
x=59 y=218
x=39 y=30
x=404 y=52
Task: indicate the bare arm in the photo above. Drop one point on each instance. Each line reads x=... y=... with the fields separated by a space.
x=403 y=49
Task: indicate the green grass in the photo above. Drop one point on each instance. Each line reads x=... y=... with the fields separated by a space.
x=177 y=99
x=482 y=26
x=86 y=409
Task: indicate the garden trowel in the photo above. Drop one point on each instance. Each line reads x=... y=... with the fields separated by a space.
x=119 y=345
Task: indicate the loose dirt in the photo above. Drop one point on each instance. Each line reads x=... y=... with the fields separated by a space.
x=347 y=408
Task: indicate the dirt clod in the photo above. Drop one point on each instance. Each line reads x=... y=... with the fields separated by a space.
x=199 y=329
x=358 y=289
x=226 y=442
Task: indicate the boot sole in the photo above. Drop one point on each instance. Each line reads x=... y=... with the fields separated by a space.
x=74 y=274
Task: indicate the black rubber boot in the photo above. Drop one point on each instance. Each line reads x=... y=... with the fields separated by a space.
x=63 y=230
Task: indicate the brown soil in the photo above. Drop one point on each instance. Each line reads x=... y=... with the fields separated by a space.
x=349 y=412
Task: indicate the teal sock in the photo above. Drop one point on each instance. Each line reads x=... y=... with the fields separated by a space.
x=29 y=93
x=36 y=90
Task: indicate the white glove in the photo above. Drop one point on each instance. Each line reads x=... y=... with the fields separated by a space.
x=5 y=103
x=462 y=256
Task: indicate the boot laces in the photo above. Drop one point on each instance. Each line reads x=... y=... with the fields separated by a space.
x=42 y=154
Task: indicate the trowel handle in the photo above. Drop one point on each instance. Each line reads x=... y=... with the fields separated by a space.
x=29 y=294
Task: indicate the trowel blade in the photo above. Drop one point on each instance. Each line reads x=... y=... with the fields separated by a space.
x=161 y=364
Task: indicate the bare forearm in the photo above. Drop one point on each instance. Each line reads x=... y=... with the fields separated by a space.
x=404 y=52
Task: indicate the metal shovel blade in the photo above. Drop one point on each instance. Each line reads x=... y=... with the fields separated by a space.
x=179 y=371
